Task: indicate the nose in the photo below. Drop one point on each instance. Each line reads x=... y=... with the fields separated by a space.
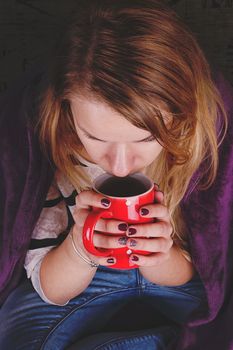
x=120 y=160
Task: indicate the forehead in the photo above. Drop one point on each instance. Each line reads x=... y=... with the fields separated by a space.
x=100 y=120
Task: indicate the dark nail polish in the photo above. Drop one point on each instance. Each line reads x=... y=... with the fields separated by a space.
x=105 y=202
x=133 y=243
x=144 y=211
x=110 y=260
x=135 y=258
x=122 y=240
x=132 y=231
x=123 y=227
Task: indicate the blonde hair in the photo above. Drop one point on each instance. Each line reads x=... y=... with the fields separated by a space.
x=137 y=57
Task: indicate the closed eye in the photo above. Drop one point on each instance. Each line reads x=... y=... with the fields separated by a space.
x=93 y=138
x=148 y=139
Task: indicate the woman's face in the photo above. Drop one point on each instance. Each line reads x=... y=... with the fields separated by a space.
x=111 y=141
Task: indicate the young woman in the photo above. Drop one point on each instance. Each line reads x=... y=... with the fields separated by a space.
x=128 y=90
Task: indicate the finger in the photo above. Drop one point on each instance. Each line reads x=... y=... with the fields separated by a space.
x=107 y=261
x=111 y=226
x=109 y=241
x=159 y=196
x=153 y=245
x=100 y=240
x=88 y=198
x=156 y=229
x=102 y=225
x=148 y=260
x=80 y=216
x=158 y=211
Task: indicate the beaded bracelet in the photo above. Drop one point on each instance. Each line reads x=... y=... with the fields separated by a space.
x=89 y=262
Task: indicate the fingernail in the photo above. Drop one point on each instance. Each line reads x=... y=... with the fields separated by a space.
x=132 y=243
x=122 y=240
x=132 y=231
x=105 y=202
x=144 y=211
x=134 y=258
x=122 y=227
x=110 y=260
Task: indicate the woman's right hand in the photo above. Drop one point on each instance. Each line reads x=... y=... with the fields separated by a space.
x=116 y=237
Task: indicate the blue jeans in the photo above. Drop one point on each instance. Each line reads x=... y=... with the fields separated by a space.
x=28 y=323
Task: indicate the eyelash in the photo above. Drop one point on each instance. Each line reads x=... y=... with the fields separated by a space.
x=151 y=139
x=92 y=138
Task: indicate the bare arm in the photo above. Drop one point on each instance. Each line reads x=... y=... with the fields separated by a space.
x=63 y=274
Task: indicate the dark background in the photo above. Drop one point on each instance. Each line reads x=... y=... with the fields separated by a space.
x=29 y=28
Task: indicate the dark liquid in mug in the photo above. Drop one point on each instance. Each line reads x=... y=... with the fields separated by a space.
x=123 y=187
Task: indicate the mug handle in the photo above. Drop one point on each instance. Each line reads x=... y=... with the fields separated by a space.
x=88 y=232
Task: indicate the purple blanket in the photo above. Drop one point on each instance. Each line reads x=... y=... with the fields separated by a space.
x=209 y=216
x=25 y=176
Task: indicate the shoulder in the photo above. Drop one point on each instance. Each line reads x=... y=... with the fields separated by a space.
x=195 y=196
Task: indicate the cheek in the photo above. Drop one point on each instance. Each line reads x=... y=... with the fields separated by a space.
x=95 y=151
x=150 y=152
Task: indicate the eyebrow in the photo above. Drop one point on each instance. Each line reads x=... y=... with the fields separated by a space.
x=95 y=138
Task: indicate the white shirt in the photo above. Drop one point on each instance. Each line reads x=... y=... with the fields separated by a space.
x=53 y=224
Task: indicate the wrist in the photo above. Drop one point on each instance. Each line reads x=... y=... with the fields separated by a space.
x=77 y=253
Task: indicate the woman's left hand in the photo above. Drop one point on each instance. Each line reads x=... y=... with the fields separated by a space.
x=152 y=237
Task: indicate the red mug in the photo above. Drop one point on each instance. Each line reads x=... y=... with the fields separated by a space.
x=127 y=195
